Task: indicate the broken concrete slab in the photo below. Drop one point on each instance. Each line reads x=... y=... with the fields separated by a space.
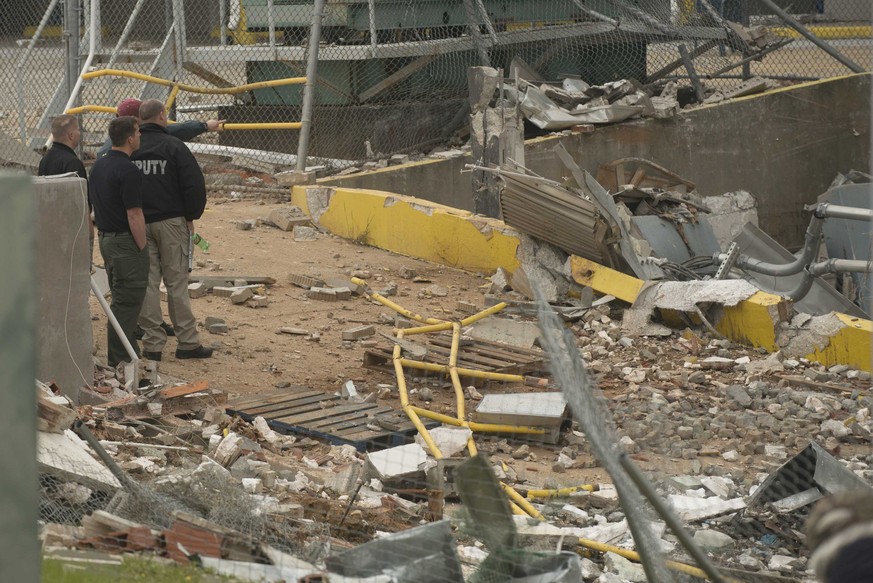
x=302 y=233
x=729 y=213
x=66 y=457
x=506 y=331
x=396 y=462
x=449 y=440
x=692 y=509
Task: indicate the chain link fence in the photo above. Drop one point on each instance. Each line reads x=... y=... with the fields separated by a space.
x=391 y=74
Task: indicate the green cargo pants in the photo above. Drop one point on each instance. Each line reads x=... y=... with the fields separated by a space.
x=127 y=269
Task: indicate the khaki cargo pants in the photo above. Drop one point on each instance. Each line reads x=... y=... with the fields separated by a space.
x=168 y=260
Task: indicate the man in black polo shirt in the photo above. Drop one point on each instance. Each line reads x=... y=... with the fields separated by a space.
x=176 y=197
x=116 y=193
x=61 y=157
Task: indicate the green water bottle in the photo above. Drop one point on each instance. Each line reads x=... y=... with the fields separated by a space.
x=200 y=241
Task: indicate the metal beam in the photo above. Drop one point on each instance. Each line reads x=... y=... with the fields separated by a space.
x=395 y=78
x=787 y=19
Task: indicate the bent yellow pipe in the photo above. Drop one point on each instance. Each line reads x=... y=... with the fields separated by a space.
x=560 y=491
x=192 y=88
x=285 y=125
x=634 y=556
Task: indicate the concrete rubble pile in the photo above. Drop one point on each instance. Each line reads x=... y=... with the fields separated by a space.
x=730 y=414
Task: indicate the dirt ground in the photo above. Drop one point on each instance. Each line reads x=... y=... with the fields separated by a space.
x=253 y=358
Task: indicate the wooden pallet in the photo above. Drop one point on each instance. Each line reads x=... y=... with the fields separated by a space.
x=366 y=426
x=477 y=354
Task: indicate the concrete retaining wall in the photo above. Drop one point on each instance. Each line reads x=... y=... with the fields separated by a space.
x=784 y=147
x=64 y=338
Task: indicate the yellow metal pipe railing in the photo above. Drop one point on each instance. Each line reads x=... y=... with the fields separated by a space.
x=409 y=409
x=560 y=491
x=192 y=88
x=176 y=87
x=634 y=556
x=474 y=426
x=518 y=504
x=284 y=125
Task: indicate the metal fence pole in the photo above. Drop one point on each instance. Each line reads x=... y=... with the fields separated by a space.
x=309 y=89
x=271 y=19
x=19 y=67
x=787 y=19
x=71 y=36
x=222 y=21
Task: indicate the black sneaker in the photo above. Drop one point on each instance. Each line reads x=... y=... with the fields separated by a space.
x=199 y=352
x=152 y=355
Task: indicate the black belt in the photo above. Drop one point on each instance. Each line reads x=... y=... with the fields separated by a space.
x=112 y=233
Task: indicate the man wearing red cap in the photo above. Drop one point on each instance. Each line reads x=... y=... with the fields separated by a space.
x=184 y=130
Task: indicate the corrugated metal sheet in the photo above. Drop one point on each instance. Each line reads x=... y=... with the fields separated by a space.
x=544 y=209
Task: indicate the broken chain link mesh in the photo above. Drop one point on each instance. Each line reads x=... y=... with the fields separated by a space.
x=391 y=74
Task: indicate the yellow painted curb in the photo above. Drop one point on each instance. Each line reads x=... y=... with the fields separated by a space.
x=755 y=321
x=851 y=345
x=411 y=226
x=827 y=32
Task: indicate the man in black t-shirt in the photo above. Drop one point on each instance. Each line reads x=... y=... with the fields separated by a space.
x=61 y=157
x=117 y=195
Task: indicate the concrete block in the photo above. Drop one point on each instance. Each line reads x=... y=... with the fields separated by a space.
x=398 y=159
x=359 y=332
x=304 y=281
x=323 y=294
x=396 y=462
x=197 y=290
x=466 y=307
x=240 y=295
x=223 y=291
x=506 y=331
x=286 y=218
x=302 y=233
x=537 y=409
x=343 y=282
x=228 y=449
x=259 y=301
x=227 y=291
x=342 y=293
x=63 y=282
x=295 y=178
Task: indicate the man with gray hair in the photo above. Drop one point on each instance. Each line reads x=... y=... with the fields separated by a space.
x=175 y=196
